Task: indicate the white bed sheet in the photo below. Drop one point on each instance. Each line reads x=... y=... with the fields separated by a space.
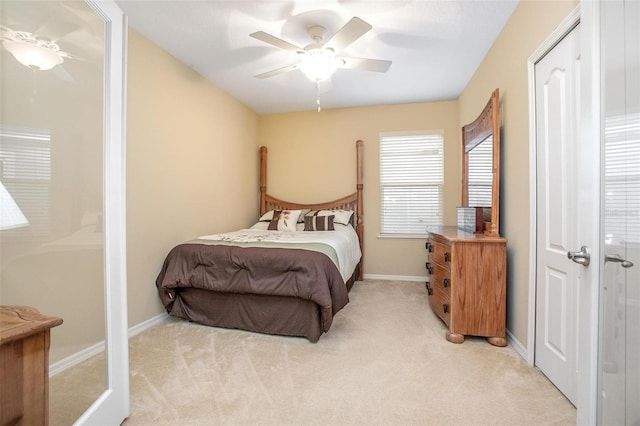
x=343 y=240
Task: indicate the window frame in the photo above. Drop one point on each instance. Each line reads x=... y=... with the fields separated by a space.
x=437 y=183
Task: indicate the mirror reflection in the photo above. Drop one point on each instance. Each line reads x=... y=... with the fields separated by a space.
x=51 y=168
x=480 y=174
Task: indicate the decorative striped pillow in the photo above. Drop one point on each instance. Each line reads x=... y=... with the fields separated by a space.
x=319 y=223
x=341 y=216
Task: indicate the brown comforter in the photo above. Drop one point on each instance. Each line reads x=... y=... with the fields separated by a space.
x=257 y=270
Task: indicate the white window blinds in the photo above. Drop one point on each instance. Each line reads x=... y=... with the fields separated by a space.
x=480 y=177
x=622 y=179
x=411 y=182
x=25 y=171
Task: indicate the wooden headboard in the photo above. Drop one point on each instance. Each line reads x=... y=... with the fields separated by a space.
x=353 y=201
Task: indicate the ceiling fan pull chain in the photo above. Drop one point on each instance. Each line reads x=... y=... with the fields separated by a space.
x=318 y=95
x=34 y=79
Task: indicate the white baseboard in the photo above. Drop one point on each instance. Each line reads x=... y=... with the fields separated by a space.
x=517 y=346
x=394 y=277
x=93 y=350
x=77 y=358
x=137 y=329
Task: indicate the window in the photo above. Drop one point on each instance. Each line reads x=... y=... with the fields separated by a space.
x=480 y=174
x=411 y=182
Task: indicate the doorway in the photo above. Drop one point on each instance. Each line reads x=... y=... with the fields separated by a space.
x=607 y=166
x=557 y=90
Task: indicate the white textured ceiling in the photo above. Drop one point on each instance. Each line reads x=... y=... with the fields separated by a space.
x=435 y=46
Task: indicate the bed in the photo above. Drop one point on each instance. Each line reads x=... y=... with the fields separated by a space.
x=274 y=277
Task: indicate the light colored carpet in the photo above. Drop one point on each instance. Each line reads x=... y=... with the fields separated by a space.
x=385 y=361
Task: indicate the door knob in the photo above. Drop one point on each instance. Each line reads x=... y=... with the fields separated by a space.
x=617 y=258
x=583 y=257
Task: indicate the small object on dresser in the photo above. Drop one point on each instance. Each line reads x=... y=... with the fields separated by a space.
x=470 y=219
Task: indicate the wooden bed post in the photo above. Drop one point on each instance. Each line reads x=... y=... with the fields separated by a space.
x=263 y=179
x=359 y=204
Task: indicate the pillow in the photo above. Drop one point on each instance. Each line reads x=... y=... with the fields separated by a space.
x=341 y=216
x=284 y=220
x=273 y=222
x=319 y=223
x=303 y=213
x=268 y=216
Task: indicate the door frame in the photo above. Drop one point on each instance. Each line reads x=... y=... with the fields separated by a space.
x=590 y=176
x=587 y=15
x=112 y=406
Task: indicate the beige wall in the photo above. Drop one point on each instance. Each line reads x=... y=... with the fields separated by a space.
x=309 y=144
x=192 y=165
x=505 y=67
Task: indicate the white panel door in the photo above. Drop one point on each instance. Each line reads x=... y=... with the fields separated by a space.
x=557 y=82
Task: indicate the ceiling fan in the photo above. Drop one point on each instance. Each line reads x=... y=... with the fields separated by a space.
x=318 y=60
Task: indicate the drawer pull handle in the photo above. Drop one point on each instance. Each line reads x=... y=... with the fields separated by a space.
x=445 y=283
x=428 y=246
x=445 y=308
x=429 y=291
x=447 y=257
x=429 y=268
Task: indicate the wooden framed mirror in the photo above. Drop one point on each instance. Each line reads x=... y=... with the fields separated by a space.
x=481 y=165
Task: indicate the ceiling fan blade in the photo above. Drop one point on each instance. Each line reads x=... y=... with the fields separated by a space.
x=275 y=41
x=64 y=75
x=363 y=64
x=56 y=30
x=352 y=30
x=282 y=70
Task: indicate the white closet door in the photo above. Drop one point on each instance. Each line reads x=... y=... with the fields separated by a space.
x=557 y=79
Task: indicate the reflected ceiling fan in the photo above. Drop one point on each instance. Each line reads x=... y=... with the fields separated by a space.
x=319 y=60
x=31 y=50
x=44 y=37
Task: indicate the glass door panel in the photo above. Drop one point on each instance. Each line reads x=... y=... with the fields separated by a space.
x=620 y=308
x=61 y=158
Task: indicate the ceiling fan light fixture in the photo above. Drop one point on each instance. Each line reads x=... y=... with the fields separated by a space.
x=319 y=64
x=33 y=52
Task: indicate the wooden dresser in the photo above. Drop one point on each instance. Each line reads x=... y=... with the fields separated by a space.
x=24 y=365
x=467 y=283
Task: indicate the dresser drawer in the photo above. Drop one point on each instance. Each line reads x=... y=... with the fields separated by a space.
x=440 y=278
x=438 y=252
x=440 y=302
